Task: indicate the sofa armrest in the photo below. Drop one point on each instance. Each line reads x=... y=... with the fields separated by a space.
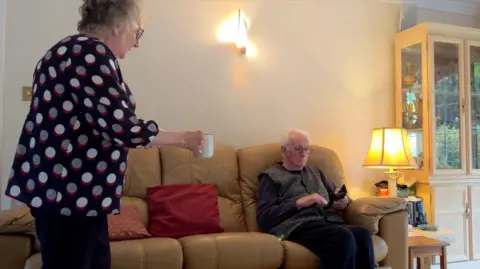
x=368 y=211
x=394 y=231
x=17 y=221
x=16 y=249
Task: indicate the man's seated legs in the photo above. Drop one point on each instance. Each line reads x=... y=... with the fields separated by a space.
x=338 y=246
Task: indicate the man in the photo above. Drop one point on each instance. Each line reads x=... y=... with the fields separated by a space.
x=296 y=202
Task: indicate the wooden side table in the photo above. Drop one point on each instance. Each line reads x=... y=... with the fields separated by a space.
x=444 y=234
x=421 y=247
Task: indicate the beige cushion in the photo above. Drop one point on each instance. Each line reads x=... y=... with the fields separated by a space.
x=15 y=249
x=150 y=253
x=141 y=206
x=232 y=251
x=34 y=262
x=143 y=171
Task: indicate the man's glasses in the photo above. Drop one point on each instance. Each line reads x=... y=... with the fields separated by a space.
x=302 y=149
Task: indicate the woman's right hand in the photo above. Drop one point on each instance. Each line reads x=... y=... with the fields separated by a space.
x=193 y=140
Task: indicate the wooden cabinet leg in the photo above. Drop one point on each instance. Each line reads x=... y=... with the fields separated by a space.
x=427 y=262
x=420 y=263
x=443 y=258
x=410 y=263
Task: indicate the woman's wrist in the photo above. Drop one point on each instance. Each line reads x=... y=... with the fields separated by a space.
x=169 y=138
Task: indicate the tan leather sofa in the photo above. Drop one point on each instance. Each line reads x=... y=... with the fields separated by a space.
x=241 y=246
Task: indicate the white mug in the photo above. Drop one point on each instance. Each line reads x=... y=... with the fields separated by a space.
x=208 y=146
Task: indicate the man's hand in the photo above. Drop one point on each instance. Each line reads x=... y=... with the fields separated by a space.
x=312 y=199
x=321 y=201
x=341 y=204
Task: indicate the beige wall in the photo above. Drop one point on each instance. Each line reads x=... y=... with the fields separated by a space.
x=2 y=57
x=324 y=66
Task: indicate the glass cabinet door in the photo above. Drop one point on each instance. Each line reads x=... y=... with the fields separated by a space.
x=412 y=100
x=473 y=104
x=448 y=105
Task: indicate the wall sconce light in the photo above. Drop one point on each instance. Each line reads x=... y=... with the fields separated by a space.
x=235 y=31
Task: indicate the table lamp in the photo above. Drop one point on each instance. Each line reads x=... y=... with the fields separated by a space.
x=390 y=149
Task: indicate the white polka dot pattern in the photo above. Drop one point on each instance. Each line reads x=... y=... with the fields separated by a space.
x=71 y=156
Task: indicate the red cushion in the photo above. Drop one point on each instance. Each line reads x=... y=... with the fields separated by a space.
x=126 y=225
x=179 y=210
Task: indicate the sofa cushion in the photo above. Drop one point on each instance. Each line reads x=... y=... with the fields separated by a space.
x=179 y=210
x=255 y=159
x=380 y=248
x=180 y=167
x=17 y=220
x=16 y=249
x=152 y=253
x=126 y=225
x=34 y=262
x=295 y=252
x=143 y=171
x=232 y=251
x=141 y=206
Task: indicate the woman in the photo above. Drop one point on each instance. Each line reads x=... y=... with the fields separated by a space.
x=71 y=157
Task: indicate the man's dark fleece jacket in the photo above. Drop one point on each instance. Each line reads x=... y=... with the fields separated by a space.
x=278 y=191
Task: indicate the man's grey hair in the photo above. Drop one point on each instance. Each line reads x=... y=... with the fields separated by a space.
x=287 y=138
x=106 y=16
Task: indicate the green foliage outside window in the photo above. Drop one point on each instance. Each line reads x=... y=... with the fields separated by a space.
x=448 y=147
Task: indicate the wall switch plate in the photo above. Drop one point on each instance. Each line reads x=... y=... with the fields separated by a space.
x=27 y=93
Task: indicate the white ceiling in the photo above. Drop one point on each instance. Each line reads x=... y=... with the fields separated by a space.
x=466 y=7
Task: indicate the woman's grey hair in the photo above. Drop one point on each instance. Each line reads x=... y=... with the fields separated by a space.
x=286 y=139
x=105 y=16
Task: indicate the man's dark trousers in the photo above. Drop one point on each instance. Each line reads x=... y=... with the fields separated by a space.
x=338 y=246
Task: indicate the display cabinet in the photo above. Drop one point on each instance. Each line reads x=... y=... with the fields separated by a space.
x=437 y=70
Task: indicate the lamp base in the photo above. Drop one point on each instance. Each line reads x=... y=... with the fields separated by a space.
x=392 y=177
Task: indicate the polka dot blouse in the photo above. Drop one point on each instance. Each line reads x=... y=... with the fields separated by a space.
x=71 y=155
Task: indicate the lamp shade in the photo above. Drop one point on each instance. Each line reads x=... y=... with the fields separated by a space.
x=389 y=148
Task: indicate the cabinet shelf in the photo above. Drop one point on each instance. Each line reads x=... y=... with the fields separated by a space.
x=437 y=97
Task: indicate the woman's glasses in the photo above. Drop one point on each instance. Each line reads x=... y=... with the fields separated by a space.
x=139 y=33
